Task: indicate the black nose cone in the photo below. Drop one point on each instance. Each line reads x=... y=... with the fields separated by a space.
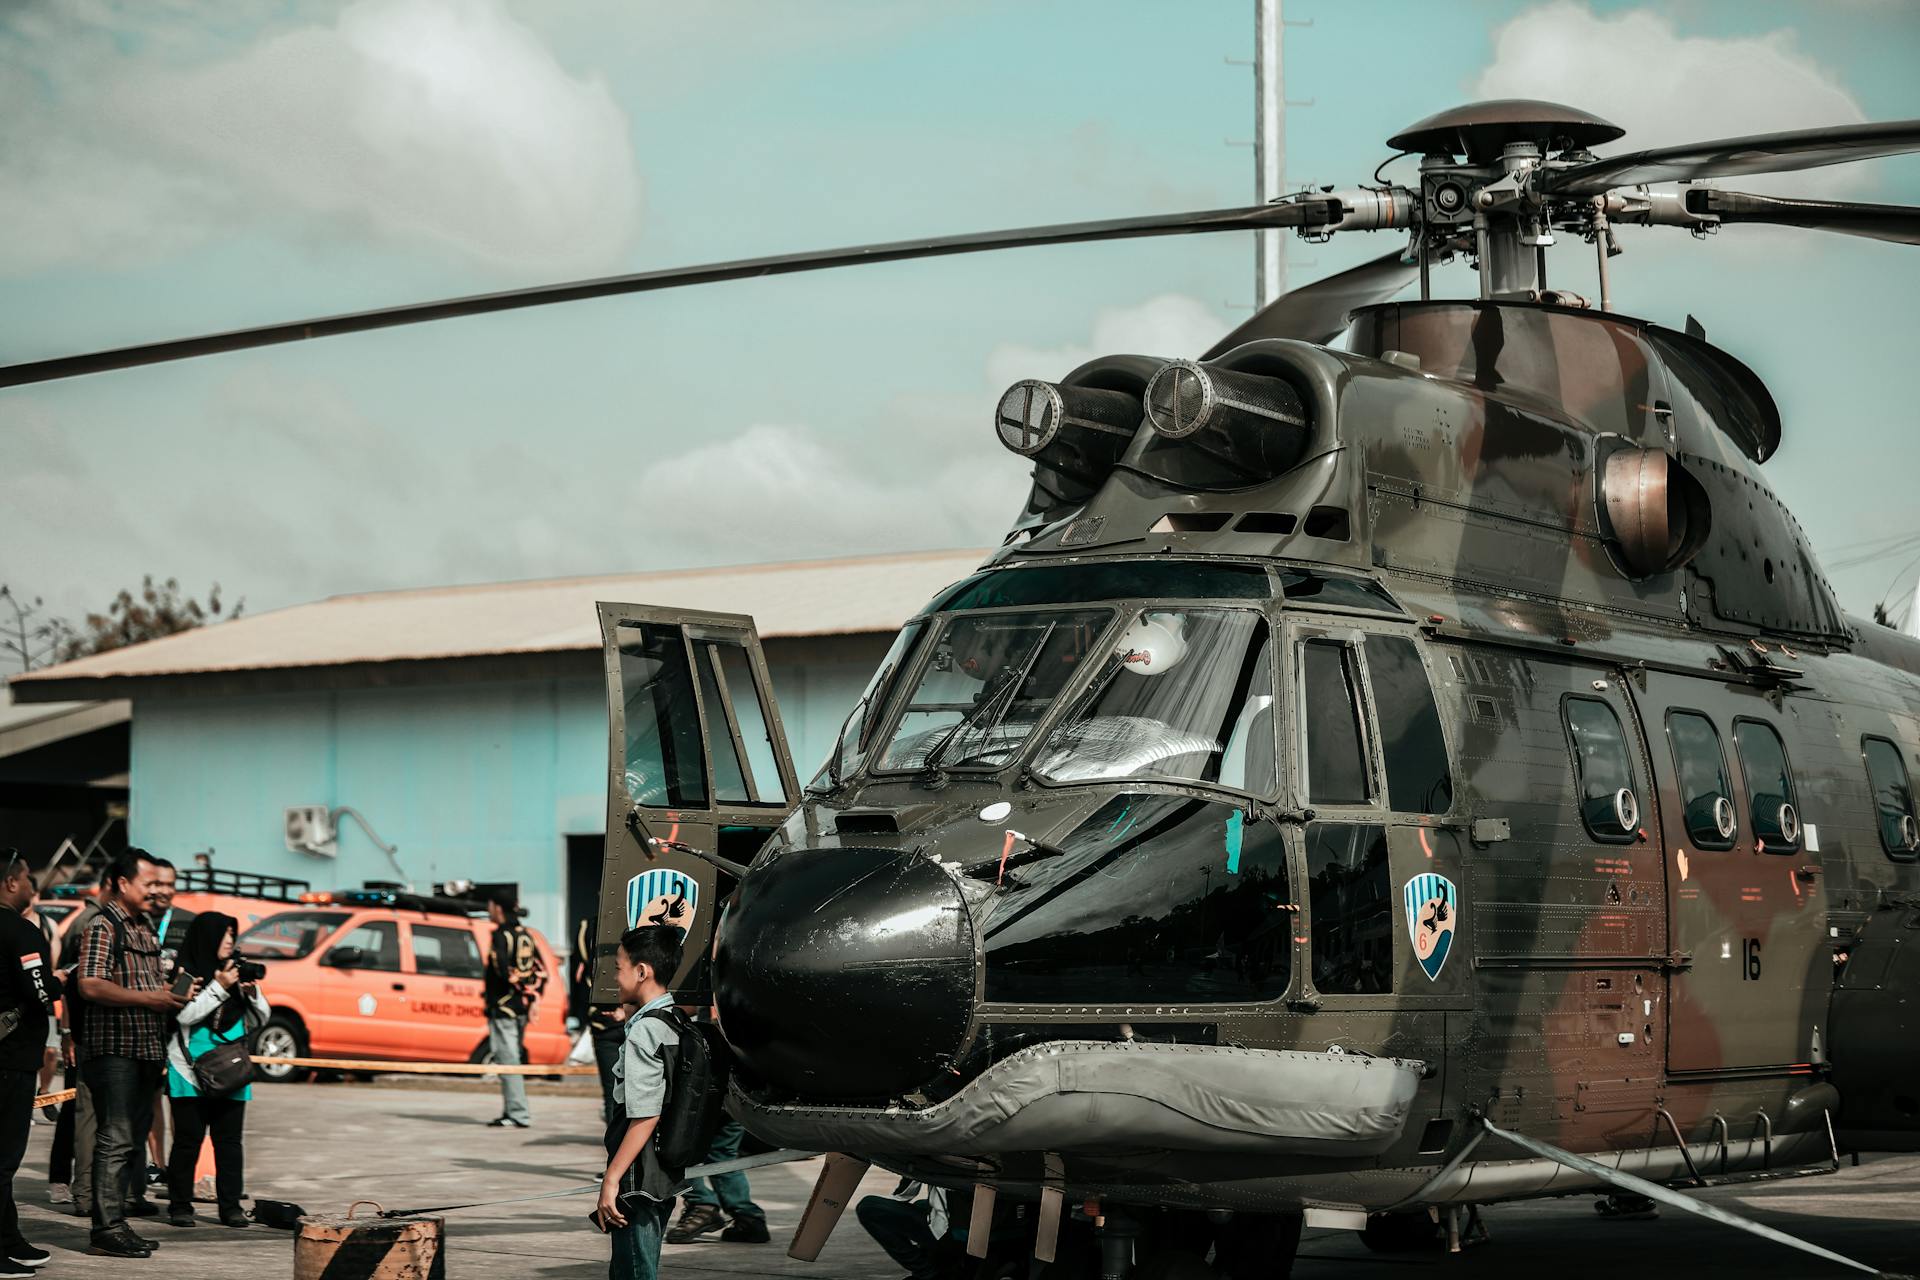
x=846 y=973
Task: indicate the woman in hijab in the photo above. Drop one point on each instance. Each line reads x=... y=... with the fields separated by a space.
x=217 y=1015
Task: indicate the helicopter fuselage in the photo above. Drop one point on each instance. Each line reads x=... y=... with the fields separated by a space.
x=1232 y=843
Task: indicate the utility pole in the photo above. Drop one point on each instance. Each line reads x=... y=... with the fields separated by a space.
x=1269 y=147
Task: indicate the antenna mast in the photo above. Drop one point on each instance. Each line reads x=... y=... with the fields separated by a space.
x=1269 y=147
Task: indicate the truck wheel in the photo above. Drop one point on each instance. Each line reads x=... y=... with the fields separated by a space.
x=482 y=1052
x=281 y=1037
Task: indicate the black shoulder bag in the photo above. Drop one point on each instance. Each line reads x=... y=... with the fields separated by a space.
x=225 y=1067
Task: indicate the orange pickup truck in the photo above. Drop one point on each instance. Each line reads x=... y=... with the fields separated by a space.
x=376 y=973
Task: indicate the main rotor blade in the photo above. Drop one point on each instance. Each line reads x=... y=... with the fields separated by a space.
x=1761 y=153
x=1317 y=312
x=1895 y=222
x=1296 y=213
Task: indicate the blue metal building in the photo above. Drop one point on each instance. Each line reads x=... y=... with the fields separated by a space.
x=466 y=725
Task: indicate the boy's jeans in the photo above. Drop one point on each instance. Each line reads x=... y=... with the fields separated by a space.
x=636 y=1246
x=506 y=1036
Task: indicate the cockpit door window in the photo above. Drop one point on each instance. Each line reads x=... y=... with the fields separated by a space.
x=1412 y=744
x=1334 y=765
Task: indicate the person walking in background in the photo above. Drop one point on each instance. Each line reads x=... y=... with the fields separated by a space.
x=125 y=1007
x=217 y=1016
x=29 y=988
x=79 y=1189
x=514 y=978
x=606 y=1025
x=745 y=1222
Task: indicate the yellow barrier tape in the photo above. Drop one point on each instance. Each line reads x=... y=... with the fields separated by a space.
x=430 y=1068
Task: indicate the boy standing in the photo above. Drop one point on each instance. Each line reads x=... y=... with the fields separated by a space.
x=648 y=957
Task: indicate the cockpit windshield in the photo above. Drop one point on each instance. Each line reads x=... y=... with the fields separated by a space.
x=1126 y=685
x=990 y=678
x=1183 y=695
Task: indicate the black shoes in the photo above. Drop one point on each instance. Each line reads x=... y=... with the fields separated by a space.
x=141 y=1208
x=506 y=1122
x=696 y=1220
x=120 y=1242
x=232 y=1217
x=24 y=1255
x=699 y=1219
x=181 y=1218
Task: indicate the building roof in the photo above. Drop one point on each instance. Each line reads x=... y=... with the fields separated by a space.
x=853 y=596
x=23 y=728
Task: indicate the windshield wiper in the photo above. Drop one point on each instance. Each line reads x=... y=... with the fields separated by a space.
x=995 y=703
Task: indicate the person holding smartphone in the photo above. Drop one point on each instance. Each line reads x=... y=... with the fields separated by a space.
x=122 y=1045
x=217 y=1016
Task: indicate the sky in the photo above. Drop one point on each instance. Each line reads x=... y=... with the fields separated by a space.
x=169 y=168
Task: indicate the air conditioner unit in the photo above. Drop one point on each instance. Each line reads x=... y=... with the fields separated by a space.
x=310 y=830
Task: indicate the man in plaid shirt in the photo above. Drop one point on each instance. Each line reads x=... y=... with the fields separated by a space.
x=121 y=1043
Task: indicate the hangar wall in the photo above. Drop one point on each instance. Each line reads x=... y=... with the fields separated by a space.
x=482 y=781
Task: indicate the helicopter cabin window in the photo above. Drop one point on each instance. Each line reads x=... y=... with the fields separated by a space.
x=1602 y=770
x=989 y=679
x=1892 y=797
x=1706 y=800
x=1336 y=744
x=1411 y=740
x=665 y=760
x=1771 y=803
x=1350 y=894
x=746 y=768
x=1183 y=695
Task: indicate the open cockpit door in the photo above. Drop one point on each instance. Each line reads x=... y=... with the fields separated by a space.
x=698 y=774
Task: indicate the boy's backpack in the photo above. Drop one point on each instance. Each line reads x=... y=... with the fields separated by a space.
x=694 y=1107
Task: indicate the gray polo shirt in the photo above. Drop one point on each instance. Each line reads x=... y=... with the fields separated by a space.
x=640 y=1075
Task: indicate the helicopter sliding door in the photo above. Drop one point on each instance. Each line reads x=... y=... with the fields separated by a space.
x=1563 y=900
x=697 y=763
x=1748 y=906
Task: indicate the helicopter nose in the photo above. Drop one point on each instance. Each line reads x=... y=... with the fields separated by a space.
x=845 y=973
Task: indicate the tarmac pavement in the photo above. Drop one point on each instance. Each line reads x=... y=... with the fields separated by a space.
x=324 y=1145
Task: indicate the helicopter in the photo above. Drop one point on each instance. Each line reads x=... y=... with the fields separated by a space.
x=1369 y=782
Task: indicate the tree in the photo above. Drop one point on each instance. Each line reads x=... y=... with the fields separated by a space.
x=33 y=643
x=159 y=610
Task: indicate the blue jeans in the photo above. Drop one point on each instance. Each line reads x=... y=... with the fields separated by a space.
x=728 y=1190
x=636 y=1246
x=506 y=1036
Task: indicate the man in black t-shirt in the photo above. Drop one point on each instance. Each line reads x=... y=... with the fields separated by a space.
x=28 y=989
x=514 y=976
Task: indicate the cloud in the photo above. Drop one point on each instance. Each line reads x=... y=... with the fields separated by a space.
x=443 y=124
x=1636 y=69
x=1169 y=325
x=783 y=491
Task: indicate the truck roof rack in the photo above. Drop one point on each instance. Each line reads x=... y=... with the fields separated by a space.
x=241 y=884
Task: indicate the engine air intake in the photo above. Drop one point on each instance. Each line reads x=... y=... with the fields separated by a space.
x=1656 y=513
x=1255 y=424
x=1079 y=432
